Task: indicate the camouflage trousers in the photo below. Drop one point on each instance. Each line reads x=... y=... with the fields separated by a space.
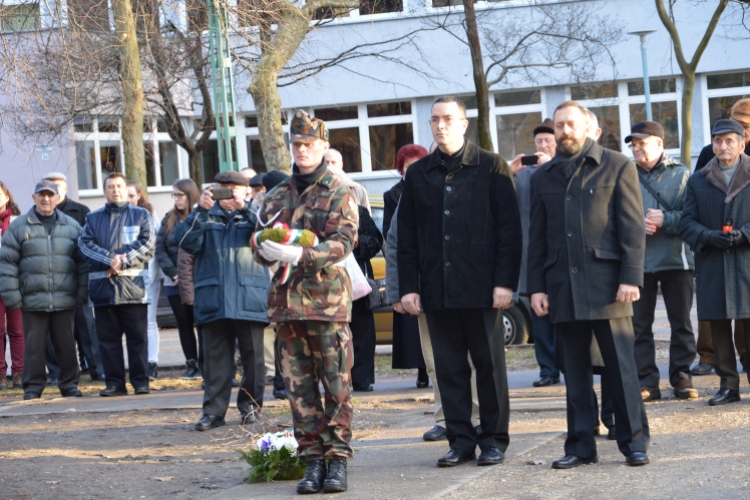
x=311 y=352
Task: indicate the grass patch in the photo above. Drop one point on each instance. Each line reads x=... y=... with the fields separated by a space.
x=383 y=363
x=520 y=358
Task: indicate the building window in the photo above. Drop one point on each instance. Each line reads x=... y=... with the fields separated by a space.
x=517 y=113
x=86 y=164
x=656 y=86
x=609 y=122
x=346 y=141
x=210 y=161
x=340 y=113
x=367 y=7
x=722 y=91
x=89 y=15
x=589 y=91
x=19 y=17
x=728 y=80
x=385 y=141
x=664 y=113
x=517 y=98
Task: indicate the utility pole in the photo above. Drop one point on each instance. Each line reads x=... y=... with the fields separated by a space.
x=223 y=82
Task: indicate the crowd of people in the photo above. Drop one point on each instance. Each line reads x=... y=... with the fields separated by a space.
x=589 y=236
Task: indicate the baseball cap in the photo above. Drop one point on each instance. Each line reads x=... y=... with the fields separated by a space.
x=727 y=126
x=231 y=177
x=45 y=185
x=303 y=127
x=55 y=176
x=643 y=130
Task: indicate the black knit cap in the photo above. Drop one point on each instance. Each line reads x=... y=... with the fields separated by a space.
x=231 y=177
x=642 y=130
x=273 y=179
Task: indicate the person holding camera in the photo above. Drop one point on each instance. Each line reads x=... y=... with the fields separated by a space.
x=230 y=297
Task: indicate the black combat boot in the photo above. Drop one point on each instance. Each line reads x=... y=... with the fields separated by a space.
x=336 y=480
x=314 y=477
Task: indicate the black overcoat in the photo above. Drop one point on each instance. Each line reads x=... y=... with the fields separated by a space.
x=723 y=276
x=587 y=236
x=459 y=232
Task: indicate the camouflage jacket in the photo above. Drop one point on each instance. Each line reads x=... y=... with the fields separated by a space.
x=317 y=289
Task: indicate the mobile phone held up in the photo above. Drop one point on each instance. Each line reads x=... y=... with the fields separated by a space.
x=222 y=194
x=529 y=160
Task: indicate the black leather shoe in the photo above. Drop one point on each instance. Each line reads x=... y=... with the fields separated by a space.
x=437 y=433
x=724 y=396
x=702 y=369
x=490 y=456
x=280 y=394
x=73 y=392
x=366 y=388
x=209 y=422
x=250 y=416
x=637 y=458
x=143 y=389
x=545 y=381
x=111 y=391
x=611 y=434
x=571 y=461
x=422 y=384
x=31 y=395
x=314 y=477
x=597 y=430
x=456 y=457
x=335 y=481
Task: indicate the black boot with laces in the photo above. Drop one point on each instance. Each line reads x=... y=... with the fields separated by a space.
x=314 y=477
x=336 y=480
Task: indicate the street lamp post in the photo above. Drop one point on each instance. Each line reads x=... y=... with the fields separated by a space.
x=644 y=58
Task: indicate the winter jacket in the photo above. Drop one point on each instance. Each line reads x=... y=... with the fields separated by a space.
x=369 y=242
x=722 y=275
x=39 y=271
x=229 y=284
x=390 y=202
x=185 y=273
x=523 y=191
x=707 y=154
x=78 y=211
x=117 y=229
x=167 y=248
x=317 y=289
x=665 y=250
x=587 y=236
x=459 y=230
x=391 y=261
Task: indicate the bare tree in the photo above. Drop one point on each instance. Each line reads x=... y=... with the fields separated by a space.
x=688 y=69
x=544 y=43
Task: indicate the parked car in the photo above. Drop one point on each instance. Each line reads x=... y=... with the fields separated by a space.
x=516 y=320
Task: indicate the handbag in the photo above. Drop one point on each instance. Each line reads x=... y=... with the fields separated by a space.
x=360 y=286
x=377 y=298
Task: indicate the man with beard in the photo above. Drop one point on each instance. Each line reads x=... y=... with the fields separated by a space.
x=586 y=252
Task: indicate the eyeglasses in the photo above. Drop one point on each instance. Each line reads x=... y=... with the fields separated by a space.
x=178 y=195
x=448 y=120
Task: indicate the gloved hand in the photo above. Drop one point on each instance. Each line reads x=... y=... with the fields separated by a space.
x=719 y=239
x=738 y=238
x=272 y=251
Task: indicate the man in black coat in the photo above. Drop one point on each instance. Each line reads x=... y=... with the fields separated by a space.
x=716 y=224
x=85 y=327
x=459 y=254
x=586 y=250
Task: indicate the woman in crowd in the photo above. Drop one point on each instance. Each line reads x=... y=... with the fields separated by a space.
x=407 y=349
x=369 y=243
x=10 y=320
x=137 y=197
x=185 y=195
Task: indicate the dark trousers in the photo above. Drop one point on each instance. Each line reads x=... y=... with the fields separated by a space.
x=85 y=333
x=616 y=342
x=544 y=345
x=455 y=333
x=219 y=339
x=59 y=324
x=183 y=313
x=705 y=343
x=677 y=290
x=725 y=361
x=363 y=340
x=111 y=323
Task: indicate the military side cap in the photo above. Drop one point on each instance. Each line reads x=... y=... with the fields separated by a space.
x=45 y=186
x=304 y=127
x=727 y=126
x=256 y=181
x=547 y=127
x=231 y=177
x=642 y=130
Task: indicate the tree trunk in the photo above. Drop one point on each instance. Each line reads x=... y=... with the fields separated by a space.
x=268 y=105
x=480 y=81
x=132 y=91
x=688 y=82
x=196 y=167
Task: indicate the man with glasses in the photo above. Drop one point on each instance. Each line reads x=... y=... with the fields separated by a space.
x=459 y=256
x=668 y=264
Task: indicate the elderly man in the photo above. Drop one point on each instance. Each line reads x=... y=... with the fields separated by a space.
x=335 y=163
x=544 y=332
x=668 y=263
x=117 y=241
x=716 y=224
x=312 y=306
x=85 y=328
x=459 y=255
x=586 y=251
x=740 y=112
x=43 y=273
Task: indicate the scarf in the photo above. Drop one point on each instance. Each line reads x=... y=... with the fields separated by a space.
x=568 y=164
x=5 y=219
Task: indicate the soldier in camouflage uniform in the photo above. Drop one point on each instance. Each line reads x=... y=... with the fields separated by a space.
x=313 y=308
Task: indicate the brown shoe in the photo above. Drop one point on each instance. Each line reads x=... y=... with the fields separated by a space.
x=17 y=381
x=3 y=382
x=650 y=393
x=684 y=388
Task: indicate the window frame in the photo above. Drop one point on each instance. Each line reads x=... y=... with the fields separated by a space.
x=495 y=111
x=710 y=94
